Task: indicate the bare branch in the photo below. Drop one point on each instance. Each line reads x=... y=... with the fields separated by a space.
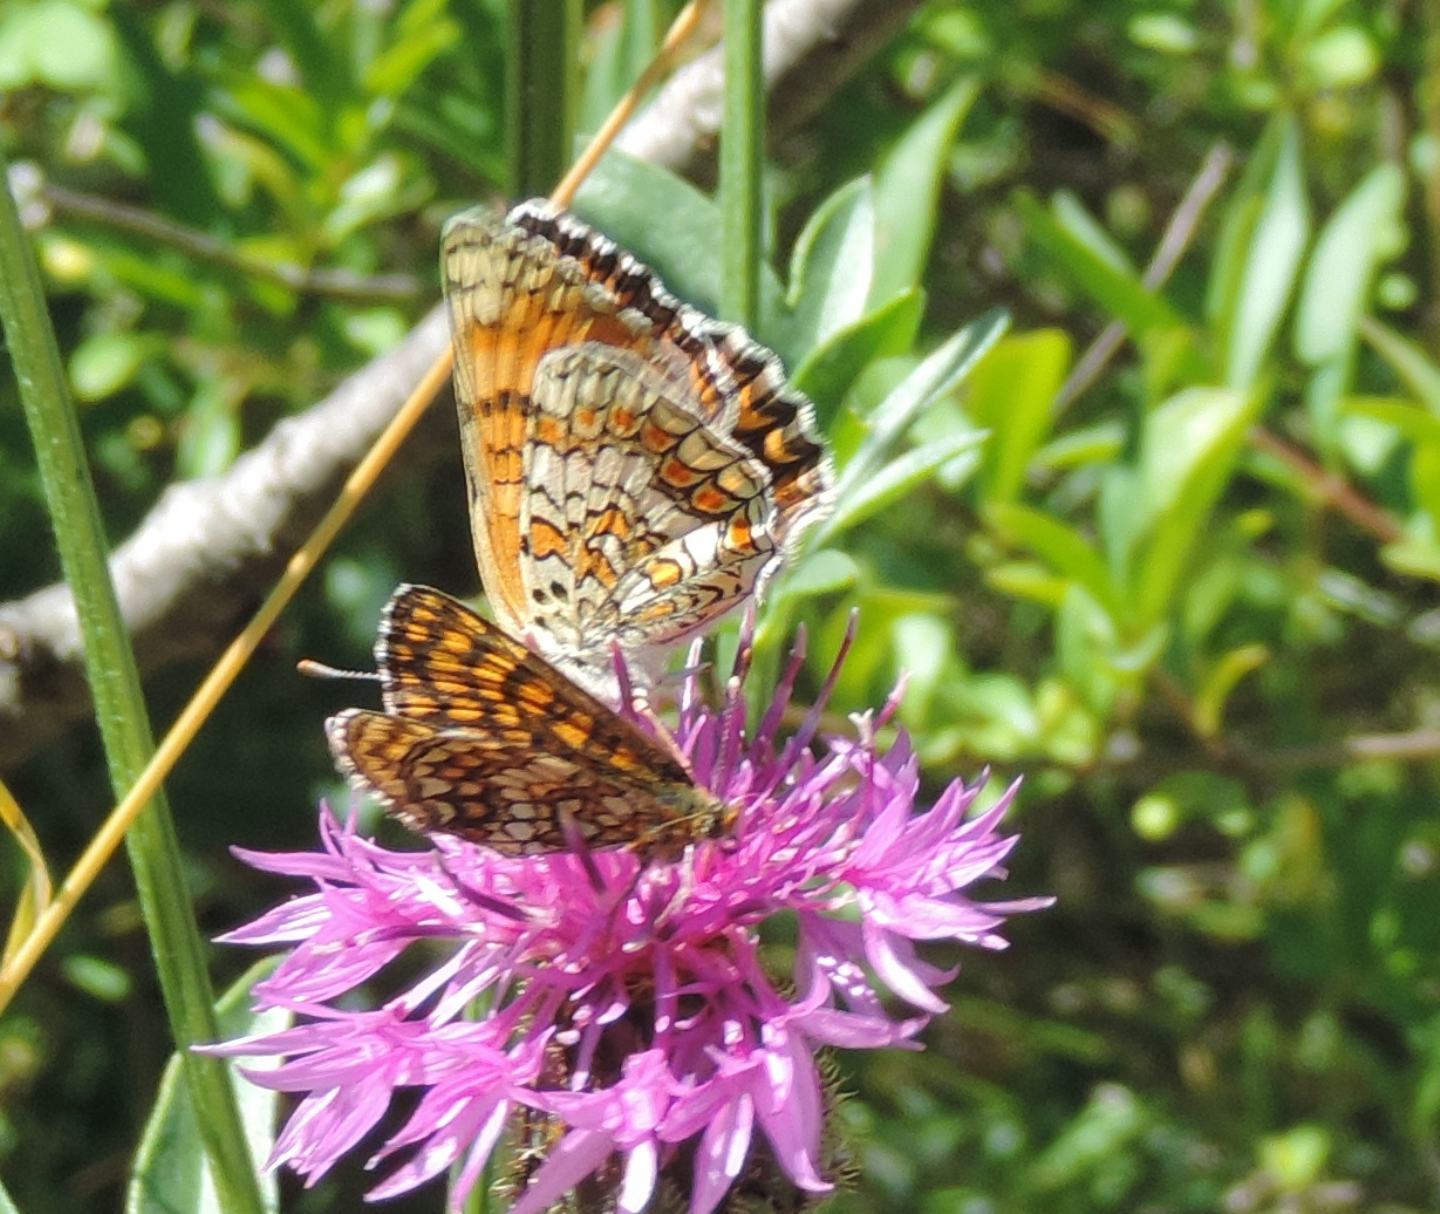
x=192 y=569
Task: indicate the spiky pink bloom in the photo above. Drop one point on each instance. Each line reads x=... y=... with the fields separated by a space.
x=628 y=1004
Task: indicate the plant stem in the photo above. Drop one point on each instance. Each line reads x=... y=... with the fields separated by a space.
x=741 y=159
x=542 y=92
x=119 y=705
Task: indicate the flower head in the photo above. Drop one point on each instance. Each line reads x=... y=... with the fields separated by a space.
x=626 y=1007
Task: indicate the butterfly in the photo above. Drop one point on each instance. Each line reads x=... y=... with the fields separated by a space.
x=635 y=469
x=482 y=738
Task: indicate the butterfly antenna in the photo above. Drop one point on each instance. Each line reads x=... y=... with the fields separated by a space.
x=318 y=670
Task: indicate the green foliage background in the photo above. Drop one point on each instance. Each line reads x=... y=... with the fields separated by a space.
x=1191 y=597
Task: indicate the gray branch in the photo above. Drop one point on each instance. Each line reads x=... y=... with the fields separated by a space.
x=200 y=560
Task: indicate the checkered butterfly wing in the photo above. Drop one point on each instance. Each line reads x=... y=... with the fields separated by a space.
x=641 y=523
x=484 y=739
x=536 y=281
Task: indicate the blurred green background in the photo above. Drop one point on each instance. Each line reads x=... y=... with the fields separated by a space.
x=1187 y=591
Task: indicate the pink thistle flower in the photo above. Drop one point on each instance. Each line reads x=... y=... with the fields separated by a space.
x=628 y=1006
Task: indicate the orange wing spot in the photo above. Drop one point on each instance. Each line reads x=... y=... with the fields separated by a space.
x=596 y=565
x=777 y=449
x=664 y=574
x=711 y=500
x=679 y=473
x=549 y=431
x=574 y=733
x=739 y=535
x=612 y=331
x=613 y=522
x=623 y=420
x=585 y=418
x=546 y=539
x=656 y=439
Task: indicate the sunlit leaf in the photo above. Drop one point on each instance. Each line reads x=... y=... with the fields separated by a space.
x=36 y=892
x=907 y=191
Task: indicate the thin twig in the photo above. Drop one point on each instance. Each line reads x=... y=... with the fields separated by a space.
x=337 y=284
x=1174 y=241
x=1329 y=488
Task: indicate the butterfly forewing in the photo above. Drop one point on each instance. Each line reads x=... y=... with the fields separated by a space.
x=484 y=739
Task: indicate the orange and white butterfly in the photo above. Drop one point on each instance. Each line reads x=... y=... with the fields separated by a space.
x=635 y=468
x=635 y=471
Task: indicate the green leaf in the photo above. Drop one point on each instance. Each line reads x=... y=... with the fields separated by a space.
x=1085 y=636
x=1350 y=246
x=1417 y=424
x=171 y=1175
x=901 y=476
x=669 y=224
x=1413 y=558
x=1012 y=394
x=1221 y=681
x=831 y=268
x=288 y=115
x=1073 y=216
x=59 y=44
x=828 y=370
x=107 y=361
x=1414 y=367
x=827 y=571
x=907 y=191
x=941 y=373
x=1056 y=543
x=1187 y=455
x=425 y=33
x=1270 y=263
x=7 y=1206
x=1113 y=287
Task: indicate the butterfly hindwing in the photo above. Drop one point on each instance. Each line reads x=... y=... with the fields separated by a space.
x=641 y=522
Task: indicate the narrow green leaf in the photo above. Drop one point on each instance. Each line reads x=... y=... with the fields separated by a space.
x=1337 y=281
x=1187 y=456
x=119 y=702
x=1117 y=290
x=907 y=191
x=827 y=571
x=171 y=1175
x=7 y=1206
x=1076 y=219
x=901 y=476
x=1417 y=424
x=1271 y=263
x=542 y=92
x=831 y=267
x=1414 y=367
x=1056 y=543
x=314 y=52
x=942 y=372
x=1210 y=700
x=1012 y=394
x=1413 y=558
x=827 y=372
